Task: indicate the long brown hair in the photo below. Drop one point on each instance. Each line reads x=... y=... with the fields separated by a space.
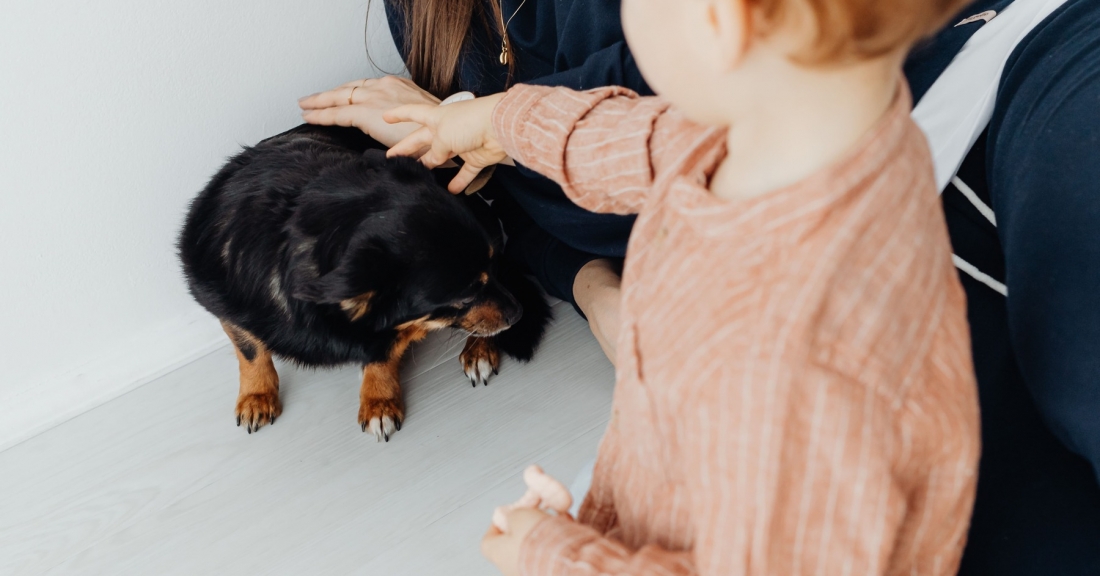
x=436 y=31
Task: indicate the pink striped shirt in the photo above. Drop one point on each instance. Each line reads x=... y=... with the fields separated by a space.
x=794 y=388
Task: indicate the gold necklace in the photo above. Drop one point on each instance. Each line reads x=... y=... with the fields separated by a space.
x=505 y=50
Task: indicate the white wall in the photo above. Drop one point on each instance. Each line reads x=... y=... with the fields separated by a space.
x=113 y=114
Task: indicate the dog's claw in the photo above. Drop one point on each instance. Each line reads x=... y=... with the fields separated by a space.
x=376 y=428
x=480 y=360
x=254 y=411
x=381 y=421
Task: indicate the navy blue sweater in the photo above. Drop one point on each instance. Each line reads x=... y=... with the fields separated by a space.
x=1036 y=352
x=574 y=43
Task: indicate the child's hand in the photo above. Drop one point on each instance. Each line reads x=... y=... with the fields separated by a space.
x=502 y=548
x=543 y=492
x=462 y=129
x=512 y=523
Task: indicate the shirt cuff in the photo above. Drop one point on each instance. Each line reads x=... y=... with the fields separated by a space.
x=533 y=123
x=550 y=542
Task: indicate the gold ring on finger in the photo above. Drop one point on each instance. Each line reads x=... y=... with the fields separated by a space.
x=352 y=95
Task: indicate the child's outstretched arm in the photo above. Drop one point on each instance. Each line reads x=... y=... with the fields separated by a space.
x=604 y=147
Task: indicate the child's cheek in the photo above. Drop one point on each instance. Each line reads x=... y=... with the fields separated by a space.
x=645 y=38
x=658 y=34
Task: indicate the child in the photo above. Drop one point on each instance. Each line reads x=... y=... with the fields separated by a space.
x=794 y=392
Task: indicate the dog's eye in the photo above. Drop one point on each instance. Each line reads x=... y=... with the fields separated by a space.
x=465 y=302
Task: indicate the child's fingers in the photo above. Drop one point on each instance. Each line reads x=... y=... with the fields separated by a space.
x=413 y=144
x=464 y=177
x=530 y=499
x=420 y=113
x=500 y=520
x=437 y=155
x=553 y=494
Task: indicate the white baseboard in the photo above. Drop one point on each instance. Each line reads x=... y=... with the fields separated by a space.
x=146 y=356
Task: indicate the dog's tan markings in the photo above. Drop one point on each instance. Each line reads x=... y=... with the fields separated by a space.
x=491 y=251
x=357 y=307
x=258 y=400
x=380 y=405
x=484 y=278
x=381 y=409
x=483 y=319
x=480 y=358
x=276 y=285
x=227 y=251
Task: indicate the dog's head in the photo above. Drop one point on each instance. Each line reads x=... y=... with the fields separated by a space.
x=385 y=245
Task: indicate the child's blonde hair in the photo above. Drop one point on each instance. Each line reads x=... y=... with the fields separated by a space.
x=854 y=30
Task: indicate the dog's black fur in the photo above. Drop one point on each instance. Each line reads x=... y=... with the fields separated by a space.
x=316 y=245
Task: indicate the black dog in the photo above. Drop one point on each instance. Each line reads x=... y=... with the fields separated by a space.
x=314 y=247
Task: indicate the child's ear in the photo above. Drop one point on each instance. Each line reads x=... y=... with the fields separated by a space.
x=730 y=23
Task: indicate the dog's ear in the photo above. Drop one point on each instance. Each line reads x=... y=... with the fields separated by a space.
x=406 y=170
x=351 y=284
x=358 y=306
x=374 y=157
x=331 y=288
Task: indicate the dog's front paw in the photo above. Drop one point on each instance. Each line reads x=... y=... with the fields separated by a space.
x=257 y=410
x=480 y=360
x=381 y=416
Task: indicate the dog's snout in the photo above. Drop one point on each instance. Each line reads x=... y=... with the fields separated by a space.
x=513 y=314
x=510 y=308
x=498 y=311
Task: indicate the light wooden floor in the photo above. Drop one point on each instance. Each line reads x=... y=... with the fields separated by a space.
x=161 y=481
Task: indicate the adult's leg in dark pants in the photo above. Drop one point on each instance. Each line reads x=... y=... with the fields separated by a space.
x=1038 y=505
x=554 y=263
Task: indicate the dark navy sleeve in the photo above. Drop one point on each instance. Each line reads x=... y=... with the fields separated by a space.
x=611 y=66
x=395 y=20
x=1044 y=171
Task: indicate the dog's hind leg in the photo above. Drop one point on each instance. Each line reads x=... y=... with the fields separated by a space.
x=258 y=401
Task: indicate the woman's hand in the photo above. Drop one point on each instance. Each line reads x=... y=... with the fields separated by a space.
x=462 y=129
x=363 y=102
x=502 y=548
